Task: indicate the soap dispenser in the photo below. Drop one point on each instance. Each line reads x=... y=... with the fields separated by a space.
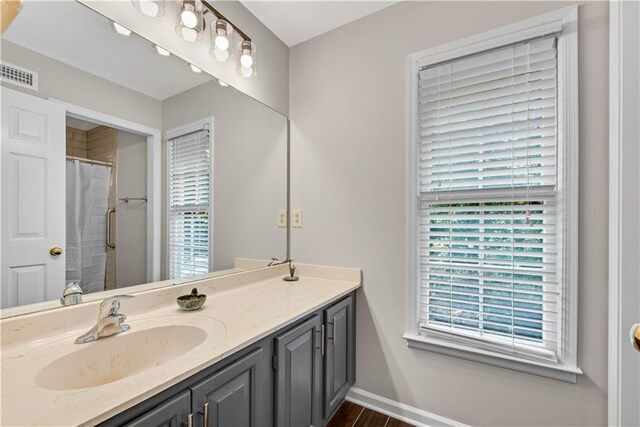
x=72 y=294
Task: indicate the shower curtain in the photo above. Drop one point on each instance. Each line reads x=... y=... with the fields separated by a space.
x=87 y=205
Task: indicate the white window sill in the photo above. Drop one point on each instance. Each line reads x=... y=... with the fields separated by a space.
x=450 y=348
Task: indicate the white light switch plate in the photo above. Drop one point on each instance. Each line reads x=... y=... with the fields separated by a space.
x=282 y=219
x=296 y=218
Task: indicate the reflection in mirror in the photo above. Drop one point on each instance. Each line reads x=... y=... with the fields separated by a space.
x=124 y=166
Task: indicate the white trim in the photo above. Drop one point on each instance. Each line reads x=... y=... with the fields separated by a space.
x=464 y=351
x=399 y=411
x=549 y=23
x=154 y=175
x=623 y=133
x=615 y=83
x=205 y=123
x=565 y=20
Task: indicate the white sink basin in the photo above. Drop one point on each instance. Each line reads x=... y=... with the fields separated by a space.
x=120 y=356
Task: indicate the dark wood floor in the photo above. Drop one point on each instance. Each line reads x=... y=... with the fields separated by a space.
x=351 y=415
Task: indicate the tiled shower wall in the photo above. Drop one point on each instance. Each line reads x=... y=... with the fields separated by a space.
x=76 y=142
x=99 y=143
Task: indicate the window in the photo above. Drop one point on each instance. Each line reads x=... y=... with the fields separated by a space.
x=492 y=215
x=189 y=202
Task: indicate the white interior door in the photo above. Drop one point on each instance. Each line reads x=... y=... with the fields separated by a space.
x=624 y=218
x=32 y=211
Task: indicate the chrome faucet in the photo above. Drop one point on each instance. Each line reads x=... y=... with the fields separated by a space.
x=110 y=322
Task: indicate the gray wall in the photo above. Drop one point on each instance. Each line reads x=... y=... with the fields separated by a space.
x=249 y=169
x=270 y=86
x=131 y=218
x=348 y=112
x=66 y=83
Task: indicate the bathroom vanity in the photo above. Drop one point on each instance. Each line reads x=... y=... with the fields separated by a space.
x=261 y=352
x=189 y=175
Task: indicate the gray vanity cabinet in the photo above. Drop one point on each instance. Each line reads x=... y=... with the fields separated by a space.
x=234 y=395
x=173 y=412
x=339 y=358
x=295 y=377
x=298 y=377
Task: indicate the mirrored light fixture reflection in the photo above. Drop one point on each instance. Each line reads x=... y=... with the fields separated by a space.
x=247 y=61
x=120 y=29
x=152 y=8
x=159 y=50
x=191 y=22
x=222 y=37
x=193 y=68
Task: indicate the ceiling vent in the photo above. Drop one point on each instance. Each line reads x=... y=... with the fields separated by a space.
x=18 y=76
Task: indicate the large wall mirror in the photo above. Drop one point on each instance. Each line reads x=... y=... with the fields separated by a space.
x=124 y=167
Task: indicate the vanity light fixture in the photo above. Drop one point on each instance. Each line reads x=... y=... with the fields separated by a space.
x=120 y=29
x=222 y=36
x=191 y=26
x=193 y=68
x=152 y=8
x=191 y=21
x=159 y=50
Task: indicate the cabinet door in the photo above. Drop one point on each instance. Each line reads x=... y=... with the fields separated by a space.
x=234 y=396
x=298 y=376
x=173 y=412
x=339 y=360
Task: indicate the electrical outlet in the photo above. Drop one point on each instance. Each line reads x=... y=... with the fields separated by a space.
x=296 y=218
x=282 y=219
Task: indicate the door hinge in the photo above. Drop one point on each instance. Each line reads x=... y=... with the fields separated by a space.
x=274 y=362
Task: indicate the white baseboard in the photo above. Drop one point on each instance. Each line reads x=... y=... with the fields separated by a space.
x=398 y=410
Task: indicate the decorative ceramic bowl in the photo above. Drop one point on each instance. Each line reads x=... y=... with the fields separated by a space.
x=191 y=302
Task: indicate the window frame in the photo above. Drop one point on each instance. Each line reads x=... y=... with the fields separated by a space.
x=206 y=123
x=565 y=21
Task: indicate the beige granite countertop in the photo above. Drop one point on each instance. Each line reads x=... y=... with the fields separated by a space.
x=241 y=309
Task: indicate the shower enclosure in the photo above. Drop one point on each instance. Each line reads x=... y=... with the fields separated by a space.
x=87 y=207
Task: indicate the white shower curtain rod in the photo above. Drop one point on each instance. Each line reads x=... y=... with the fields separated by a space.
x=89 y=161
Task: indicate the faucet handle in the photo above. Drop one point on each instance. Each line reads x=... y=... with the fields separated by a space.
x=110 y=306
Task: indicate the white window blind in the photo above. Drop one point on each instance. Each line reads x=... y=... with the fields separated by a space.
x=189 y=204
x=488 y=238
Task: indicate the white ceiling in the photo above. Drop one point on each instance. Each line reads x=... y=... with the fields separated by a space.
x=295 y=21
x=74 y=34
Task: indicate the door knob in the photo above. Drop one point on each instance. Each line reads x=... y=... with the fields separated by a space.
x=634 y=336
x=55 y=251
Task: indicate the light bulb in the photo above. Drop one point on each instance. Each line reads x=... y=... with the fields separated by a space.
x=221 y=55
x=221 y=42
x=189 y=34
x=188 y=16
x=194 y=68
x=124 y=31
x=246 y=71
x=246 y=60
x=160 y=51
x=149 y=7
x=223 y=83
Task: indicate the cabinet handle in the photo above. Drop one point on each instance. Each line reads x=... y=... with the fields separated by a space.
x=333 y=331
x=206 y=414
x=322 y=340
x=190 y=420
